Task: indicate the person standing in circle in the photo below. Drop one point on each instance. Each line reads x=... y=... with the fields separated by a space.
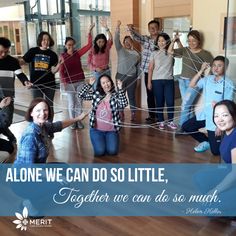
x=72 y=75
x=43 y=62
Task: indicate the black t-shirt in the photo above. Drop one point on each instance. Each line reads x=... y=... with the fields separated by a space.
x=9 y=67
x=41 y=62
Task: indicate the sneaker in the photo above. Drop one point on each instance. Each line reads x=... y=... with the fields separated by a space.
x=80 y=125
x=172 y=125
x=150 y=120
x=162 y=125
x=74 y=126
x=202 y=147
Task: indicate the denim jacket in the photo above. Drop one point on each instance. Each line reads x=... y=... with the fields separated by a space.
x=35 y=143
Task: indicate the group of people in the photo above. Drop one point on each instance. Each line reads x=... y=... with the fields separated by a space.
x=156 y=62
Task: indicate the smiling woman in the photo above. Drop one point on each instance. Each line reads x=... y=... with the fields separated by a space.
x=105 y=120
x=35 y=142
x=224 y=116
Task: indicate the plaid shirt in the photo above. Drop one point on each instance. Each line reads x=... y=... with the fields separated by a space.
x=148 y=47
x=35 y=143
x=118 y=101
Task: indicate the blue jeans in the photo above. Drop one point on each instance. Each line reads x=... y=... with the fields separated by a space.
x=188 y=96
x=164 y=92
x=104 y=142
x=183 y=86
x=97 y=74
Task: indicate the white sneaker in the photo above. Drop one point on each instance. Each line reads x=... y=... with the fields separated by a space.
x=162 y=125
x=172 y=125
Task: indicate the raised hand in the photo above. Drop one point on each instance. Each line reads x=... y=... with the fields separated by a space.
x=103 y=22
x=130 y=26
x=118 y=24
x=91 y=27
x=92 y=80
x=119 y=84
x=28 y=84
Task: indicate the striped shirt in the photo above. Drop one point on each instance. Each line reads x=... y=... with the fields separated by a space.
x=9 y=67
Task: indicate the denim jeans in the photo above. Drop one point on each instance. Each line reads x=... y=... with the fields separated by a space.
x=97 y=74
x=104 y=142
x=75 y=103
x=188 y=96
x=164 y=92
x=183 y=86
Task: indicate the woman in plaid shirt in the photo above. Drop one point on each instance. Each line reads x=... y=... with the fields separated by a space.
x=104 y=117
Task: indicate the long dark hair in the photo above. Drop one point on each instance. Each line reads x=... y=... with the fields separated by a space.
x=34 y=103
x=167 y=39
x=231 y=106
x=99 y=86
x=95 y=46
x=68 y=39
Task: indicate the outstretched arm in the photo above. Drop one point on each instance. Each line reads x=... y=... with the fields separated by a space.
x=118 y=44
x=66 y=123
x=85 y=48
x=104 y=24
x=174 y=40
x=197 y=77
x=135 y=35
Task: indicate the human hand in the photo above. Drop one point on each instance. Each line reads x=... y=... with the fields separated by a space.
x=149 y=86
x=204 y=66
x=176 y=36
x=103 y=22
x=218 y=132
x=118 y=24
x=82 y=115
x=92 y=80
x=119 y=84
x=5 y=102
x=91 y=27
x=28 y=84
x=130 y=27
x=61 y=60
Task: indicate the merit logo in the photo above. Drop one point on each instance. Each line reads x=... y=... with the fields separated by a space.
x=23 y=221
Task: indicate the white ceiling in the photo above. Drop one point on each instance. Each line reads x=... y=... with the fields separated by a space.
x=7 y=3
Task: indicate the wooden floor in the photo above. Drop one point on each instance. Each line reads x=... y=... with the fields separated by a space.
x=141 y=144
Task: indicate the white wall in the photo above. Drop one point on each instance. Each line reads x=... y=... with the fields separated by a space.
x=14 y=13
